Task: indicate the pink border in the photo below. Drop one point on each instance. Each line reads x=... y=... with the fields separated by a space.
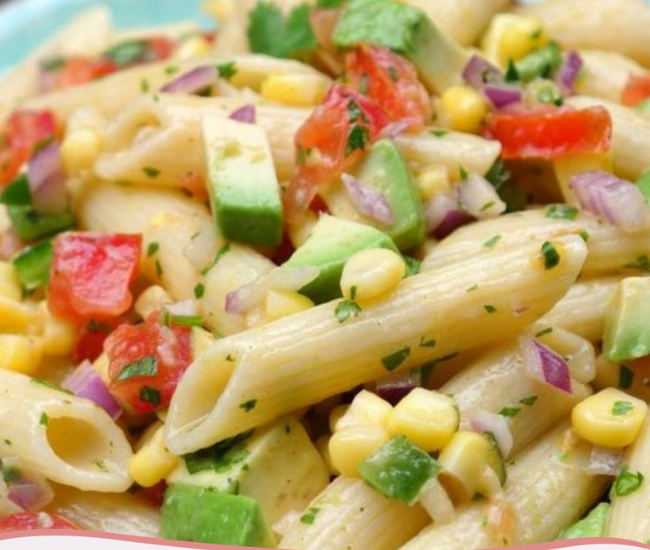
x=181 y=544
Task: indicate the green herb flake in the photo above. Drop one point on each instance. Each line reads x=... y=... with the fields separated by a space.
x=642 y=262
x=512 y=74
x=219 y=457
x=50 y=385
x=489 y=308
x=431 y=343
x=346 y=309
x=227 y=70
x=413 y=265
x=394 y=360
x=248 y=405
x=529 y=401
x=621 y=408
x=309 y=516
x=497 y=175
x=159 y=268
x=561 y=211
x=439 y=133
x=151 y=172
x=171 y=69
x=464 y=174
x=492 y=241
x=8 y=442
x=487 y=206
x=357 y=139
x=625 y=377
x=199 y=291
x=147 y=366
x=509 y=411
x=152 y=249
x=543 y=332
x=584 y=235
x=551 y=255
x=150 y=395
x=626 y=482
x=44 y=420
x=101 y=465
x=471 y=288
x=144 y=85
x=220 y=254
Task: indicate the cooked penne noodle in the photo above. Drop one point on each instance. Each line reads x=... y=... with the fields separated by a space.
x=605 y=74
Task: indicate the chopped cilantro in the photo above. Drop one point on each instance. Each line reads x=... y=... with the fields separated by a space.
x=248 y=405
x=497 y=175
x=151 y=171
x=144 y=85
x=8 y=442
x=464 y=174
x=44 y=420
x=220 y=254
x=486 y=206
x=439 y=133
x=625 y=377
x=159 y=268
x=551 y=255
x=218 y=457
x=412 y=265
x=53 y=63
x=512 y=74
x=169 y=319
x=101 y=465
x=471 y=288
x=427 y=343
x=153 y=248
x=147 y=366
x=357 y=139
x=489 y=308
x=171 y=69
x=127 y=52
x=510 y=411
x=544 y=331
x=492 y=241
x=227 y=70
x=199 y=291
x=561 y=211
x=309 y=516
x=150 y=395
x=642 y=262
x=394 y=360
x=50 y=385
x=345 y=309
x=529 y=401
x=622 y=408
x=329 y=3
x=626 y=482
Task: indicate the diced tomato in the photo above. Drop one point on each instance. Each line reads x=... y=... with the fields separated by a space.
x=33 y=520
x=91 y=341
x=158 y=49
x=91 y=274
x=330 y=142
x=550 y=133
x=392 y=81
x=146 y=363
x=636 y=90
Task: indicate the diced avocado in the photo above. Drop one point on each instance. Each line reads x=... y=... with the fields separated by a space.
x=203 y=514
x=277 y=465
x=385 y=170
x=593 y=525
x=331 y=243
x=399 y=469
x=627 y=332
x=243 y=186
x=407 y=30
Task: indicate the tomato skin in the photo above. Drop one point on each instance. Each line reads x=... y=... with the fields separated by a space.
x=636 y=90
x=392 y=81
x=91 y=273
x=323 y=144
x=24 y=521
x=551 y=133
x=169 y=346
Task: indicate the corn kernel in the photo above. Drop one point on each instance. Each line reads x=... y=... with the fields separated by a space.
x=428 y=418
x=193 y=46
x=303 y=90
x=335 y=415
x=20 y=353
x=59 y=336
x=153 y=462
x=366 y=409
x=322 y=444
x=433 y=180
x=371 y=273
x=201 y=341
x=79 y=150
x=151 y=299
x=520 y=37
x=609 y=418
x=9 y=283
x=17 y=316
x=352 y=445
x=280 y=303
x=465 y=107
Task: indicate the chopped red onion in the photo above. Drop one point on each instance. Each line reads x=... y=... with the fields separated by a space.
x=31 y=492
x=86 y=382
x=618 y=201
x=368 y=201
x=444 y=215
x=542 y=363
x=184 y=308
x=495 y=424
x=478 y=72
x=247 y=113
x=568 y=72
x=479 y=198
x=10 y=244
x=247 y=296
x=193 y=82
x=394 y=129
x=46 y=178
x=604 y=461
x=500 y=96
x=394 y=388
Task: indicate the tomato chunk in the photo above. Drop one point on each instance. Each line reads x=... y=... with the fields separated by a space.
x=146 y=362
x=636 y=90
x=329 y=142
x=32 y=520
x=551 y=133
x=91 y=273
x=392 y=81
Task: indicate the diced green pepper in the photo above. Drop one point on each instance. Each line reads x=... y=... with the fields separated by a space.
x=30 y=224
x=593 y=525
x=33 y=265
x=540 y=63
x=17 y=193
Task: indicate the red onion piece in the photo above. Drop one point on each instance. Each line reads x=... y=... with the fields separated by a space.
x=86 y=382
x=10 y=244
x=47 y=180
x=367 y=200
x=194 y=81
x=28 y=491
x=568 y=72
x=479 y=198
x=394 y=388
x=544 y=364
x=500 y=96
x=394 y=129
x=618 y=201
x=248 y=296
x=495 y=424
x=478 y=72
x=247 y=113
x=444 y=215
x=604 y=461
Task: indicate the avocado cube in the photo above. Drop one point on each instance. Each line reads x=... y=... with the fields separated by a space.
x=243 y=186
x=332 y=242
x=200 y=514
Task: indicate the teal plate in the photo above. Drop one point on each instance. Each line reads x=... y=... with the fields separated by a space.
x=24 y=24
